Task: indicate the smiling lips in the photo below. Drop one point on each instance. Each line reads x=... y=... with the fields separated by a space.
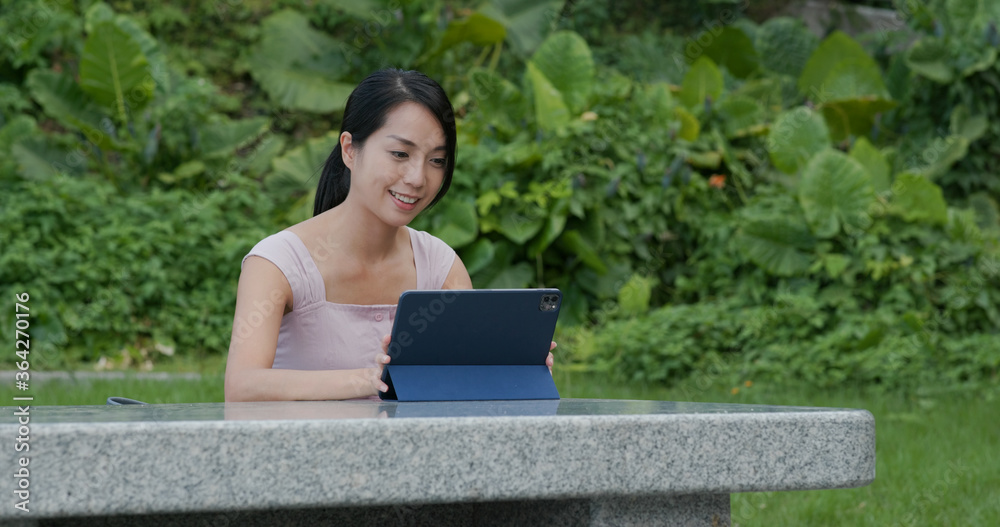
x=404 y=201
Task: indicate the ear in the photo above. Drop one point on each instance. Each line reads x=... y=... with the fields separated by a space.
x=347 y=151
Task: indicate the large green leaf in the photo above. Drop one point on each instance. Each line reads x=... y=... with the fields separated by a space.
x=519 y=227
x=834 y=49
x=498 y=100
x=477 y=28
x=795 y=137
x=478 y=255
x=553 y=227
x=158 y=69
x=874 y=162
x=455 y=222
x=65 y=102
x=114 y=70
x=551 y=112
x=784 y=45
x=733 y=49
x=574 y=242
x=929 y=57
x=298 y=66
x=917 y=198
x=702 y=81
x=835 y=191
x=527 y=21
x=851 y=79
x=565 y=60
x=778 y=245
x=221 y=138
x=515 y=277
x=847 y=84
x=100 y=12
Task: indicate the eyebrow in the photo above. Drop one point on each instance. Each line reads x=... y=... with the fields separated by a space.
x=407 y=142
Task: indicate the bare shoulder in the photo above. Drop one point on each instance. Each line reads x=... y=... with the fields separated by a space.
x=458 y=276
x=262 y=280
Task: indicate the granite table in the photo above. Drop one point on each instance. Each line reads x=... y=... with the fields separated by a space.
x=519 y=463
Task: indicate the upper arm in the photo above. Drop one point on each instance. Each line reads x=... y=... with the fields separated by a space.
x=458 y=276
x=262 y=297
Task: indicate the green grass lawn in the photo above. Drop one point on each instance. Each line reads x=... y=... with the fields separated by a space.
x=938 y=454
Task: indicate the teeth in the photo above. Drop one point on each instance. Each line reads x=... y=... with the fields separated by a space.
x=403 y=198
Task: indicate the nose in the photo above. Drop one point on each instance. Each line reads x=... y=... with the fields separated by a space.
x=415 y=175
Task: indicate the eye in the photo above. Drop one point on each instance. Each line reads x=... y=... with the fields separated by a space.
x=399 y=155
x=438 y=161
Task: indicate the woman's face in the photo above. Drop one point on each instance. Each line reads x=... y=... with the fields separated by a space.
x=401 y=167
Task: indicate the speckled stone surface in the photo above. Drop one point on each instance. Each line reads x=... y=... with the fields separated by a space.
x=605 y=462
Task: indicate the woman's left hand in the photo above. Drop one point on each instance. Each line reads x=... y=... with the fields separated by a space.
x=550 y=360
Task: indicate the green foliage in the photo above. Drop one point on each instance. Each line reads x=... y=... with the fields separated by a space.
x=952 y=79
x=125 y=273
x=527 y=22
x=737 y=194
x=297 y=65
x=835 y=191
x=703 y=82
x=784 y=45
x=795 y=137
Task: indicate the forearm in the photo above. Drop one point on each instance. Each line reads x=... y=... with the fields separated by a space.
x=296 y=385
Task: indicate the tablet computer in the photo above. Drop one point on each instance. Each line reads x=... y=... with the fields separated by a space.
x=472 y=344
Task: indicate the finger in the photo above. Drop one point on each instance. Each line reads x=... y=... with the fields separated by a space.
x=379 y=385
x=385 y=343
x=550 y=361
x=553 y=346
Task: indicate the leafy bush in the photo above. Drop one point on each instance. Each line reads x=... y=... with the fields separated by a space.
x=750 y=195
x=111 y=274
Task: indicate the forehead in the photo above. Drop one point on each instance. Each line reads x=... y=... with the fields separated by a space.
x=415 y=122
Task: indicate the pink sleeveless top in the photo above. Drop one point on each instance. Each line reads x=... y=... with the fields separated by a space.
x=321 y=335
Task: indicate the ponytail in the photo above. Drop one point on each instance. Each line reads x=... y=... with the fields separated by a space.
x=334 y=183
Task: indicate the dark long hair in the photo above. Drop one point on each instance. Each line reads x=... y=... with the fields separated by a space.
x=366 y=112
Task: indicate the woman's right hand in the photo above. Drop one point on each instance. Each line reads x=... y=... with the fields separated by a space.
x=380 y=360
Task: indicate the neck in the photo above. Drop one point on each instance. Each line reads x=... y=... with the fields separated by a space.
x=362 y=234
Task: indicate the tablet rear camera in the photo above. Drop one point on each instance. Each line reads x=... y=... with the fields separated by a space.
x=549 y=303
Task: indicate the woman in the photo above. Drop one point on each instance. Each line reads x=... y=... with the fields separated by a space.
x=315 y=302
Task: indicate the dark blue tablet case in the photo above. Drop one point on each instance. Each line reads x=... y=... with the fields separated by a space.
x=472 y=345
